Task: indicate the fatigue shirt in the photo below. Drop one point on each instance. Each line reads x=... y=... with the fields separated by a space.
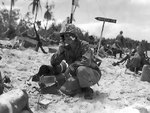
x=81 y=56
x=120 y=40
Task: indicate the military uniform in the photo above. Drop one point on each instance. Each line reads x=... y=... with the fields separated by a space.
x=120 y=40
x=83 y=70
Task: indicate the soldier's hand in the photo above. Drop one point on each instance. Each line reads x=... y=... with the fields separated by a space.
x=61 y=49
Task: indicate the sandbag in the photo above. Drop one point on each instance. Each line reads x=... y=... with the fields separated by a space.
x=145 y=73
x=14 y=101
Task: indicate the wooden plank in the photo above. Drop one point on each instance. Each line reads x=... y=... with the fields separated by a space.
x=35 y=42
x=106 y=19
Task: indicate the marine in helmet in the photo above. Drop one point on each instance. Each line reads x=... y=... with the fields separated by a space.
x=82 y=71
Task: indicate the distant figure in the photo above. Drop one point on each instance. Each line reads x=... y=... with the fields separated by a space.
x=102 y=52
x=120 y=40
x=140 y=49
x=64 y=24
x=117 y=47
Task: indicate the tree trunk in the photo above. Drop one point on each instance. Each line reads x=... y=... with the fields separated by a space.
x=10 y=13
x=37 y=47
x=35 y=17
x=40 y=46
x=46 y=24
x=43 y=50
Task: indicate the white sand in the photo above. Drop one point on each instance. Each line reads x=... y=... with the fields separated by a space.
x=118 y=92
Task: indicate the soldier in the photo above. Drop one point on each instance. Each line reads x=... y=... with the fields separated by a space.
x=83 y=70
x=135 y=60
x=120 y=40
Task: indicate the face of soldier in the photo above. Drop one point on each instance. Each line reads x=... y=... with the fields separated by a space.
x=69 y=39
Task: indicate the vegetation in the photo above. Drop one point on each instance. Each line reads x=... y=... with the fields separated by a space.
x=11 y=6
x=50 y=34
x=129 y=43
x=48 y=14
x=36 y=5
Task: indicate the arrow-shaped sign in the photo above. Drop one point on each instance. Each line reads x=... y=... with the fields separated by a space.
x=105 y=19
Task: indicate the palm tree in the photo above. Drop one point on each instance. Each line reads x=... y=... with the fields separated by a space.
x=35 y=8
x=11 y=6
x=10 y=32
x=48 y=14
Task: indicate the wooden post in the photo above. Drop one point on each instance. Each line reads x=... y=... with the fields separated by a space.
x=72 y=10
x=99 y=44
x=104 y=20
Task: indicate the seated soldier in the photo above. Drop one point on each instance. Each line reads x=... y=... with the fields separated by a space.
x=128 y=55
x=82 y=66
x=102 y=52
x=135 y=60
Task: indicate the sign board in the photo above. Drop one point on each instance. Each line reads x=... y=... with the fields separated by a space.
x=106 y=19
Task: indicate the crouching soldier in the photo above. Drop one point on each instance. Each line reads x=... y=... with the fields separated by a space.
x=135 y=60
x=82 y=71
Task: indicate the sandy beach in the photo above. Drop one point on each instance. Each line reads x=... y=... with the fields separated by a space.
x=118 y=92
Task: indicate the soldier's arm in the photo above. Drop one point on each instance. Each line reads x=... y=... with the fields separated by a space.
x=124 y=59
x=58 y=56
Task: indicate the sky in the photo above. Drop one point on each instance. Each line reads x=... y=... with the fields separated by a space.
x=133 y=16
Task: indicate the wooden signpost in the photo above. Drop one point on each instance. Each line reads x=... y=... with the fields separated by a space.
x=104 y=20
